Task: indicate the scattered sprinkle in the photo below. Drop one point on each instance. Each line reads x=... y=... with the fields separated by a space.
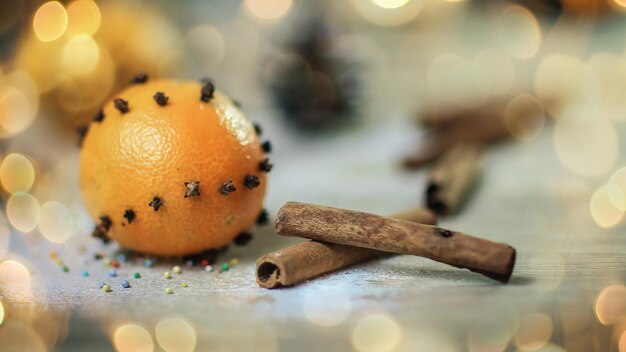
x=106 y=288
x=121 y=258
x=85 y=273
x=251 y=181
x=147 y=263
x=129 y=214
x=140 y=78
x=156 y=203
x=106 y=261
x=97 y=256
x=115 y=263
x=161 y=98
x=183 y=284
x=228 y=187
x=167 y=275
x=206 y=93
x=168 y=291
x=99 y=116
x=137 y=275
x=177 y=270
x=189 y=262
x=242 y=239
x=121 y=105
x=234 y=261
x=112 y=273
x=208 y=268
x=204 y=262
x=263 y=217
x=102 y=283
x=265 y=165
x=66 y=269
x=266 y=146
x=192 y=189
x=125 y=284
x=225 y=267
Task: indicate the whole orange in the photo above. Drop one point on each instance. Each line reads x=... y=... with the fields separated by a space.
x=172 y=168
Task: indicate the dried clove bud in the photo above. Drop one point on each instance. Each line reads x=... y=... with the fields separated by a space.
x=266 y=146
x=242 y=239
x=206 y=93
x=161 y=98
x=228 y=188
x=81 y=131
x=265 y=165
x=140 y=78
x=257 y=129
x=251 y=181
x=99 y=116
x=156 y=203
x=263 y=218
x=129 y=214
x=192 y=189
x=121 y=105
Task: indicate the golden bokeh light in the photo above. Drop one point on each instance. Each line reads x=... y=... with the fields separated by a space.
x=493 y=332
x=440 y=74
x=390 y=4
x=23 y=211
x=603 y=211
x=83 y=17
x=389 y=16
x=5 y=239
x=17 y=174
x=132 y=338
x=620 y=4
x=1 y=313
x=268 y=10
x=50 y=21
x=611 y=304
x=207 y=45
x=376 y=332
x=18 y=335
x=498 y=72
x=80 y=55
x=56 y=222
x=534 y=332
x=13 y=272
x=587 y=145
x=524 y=117
x=326 y=306
x=617 y=193
x=519 y=33
x=17 y=111
x=175 y=335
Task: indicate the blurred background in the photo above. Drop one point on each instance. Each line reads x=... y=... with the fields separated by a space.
x=346 y=91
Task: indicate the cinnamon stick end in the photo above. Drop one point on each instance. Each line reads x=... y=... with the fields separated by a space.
x=269 y=273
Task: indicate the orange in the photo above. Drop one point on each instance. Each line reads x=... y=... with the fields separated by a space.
x=138 y=169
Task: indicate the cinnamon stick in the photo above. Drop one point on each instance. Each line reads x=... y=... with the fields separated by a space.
x=303 y=261
x=353 y=228
x=487 y=128
x=451 y=178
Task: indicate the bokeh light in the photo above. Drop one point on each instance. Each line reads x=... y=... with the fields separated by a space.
x=175 y=335
x=602 y=209
x=390 y=4
x=326 y=306
x=17 y=174
x=13 y=273
x=493 y=332
x=268 y=9
x=5 y=239
x=207 y=46
x=17 y=111
x=83 y=17
x=585 y=144
x=389 y=16
x=376 y=332
x=518 y=31
x=50 y=21
x=23 y=211
x=535 y=331
x=1 y=313
x=80 y=55
x=611 y=304
x=524 y=117
x=498 y=72
x=132 y=338
x=617 y=193
x=56 y=222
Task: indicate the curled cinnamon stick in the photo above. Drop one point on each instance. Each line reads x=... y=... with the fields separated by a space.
x=451 y=178
x=303 y=261
x=353 y=228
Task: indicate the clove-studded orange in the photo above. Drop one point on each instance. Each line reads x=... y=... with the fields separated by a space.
x=173 y=168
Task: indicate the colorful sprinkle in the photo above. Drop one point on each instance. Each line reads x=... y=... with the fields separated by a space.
x=115 y=263
x=106 y=261
x=125 y=284
x=177 y=270
x=204 y=262
x=183 y=284
x=168 y=291
x=147 y=263
x=66 y=269
x=208 y=268
x=121 y=258
x=225 y=267
x=112 y=273
x=85 y=273
x=189 y=262
x=137 y=275
x=234 y=261
x=106 y=288
x=167 y=275
x=102 y=283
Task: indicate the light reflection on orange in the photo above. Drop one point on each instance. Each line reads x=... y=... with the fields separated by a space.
x=611 y=304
